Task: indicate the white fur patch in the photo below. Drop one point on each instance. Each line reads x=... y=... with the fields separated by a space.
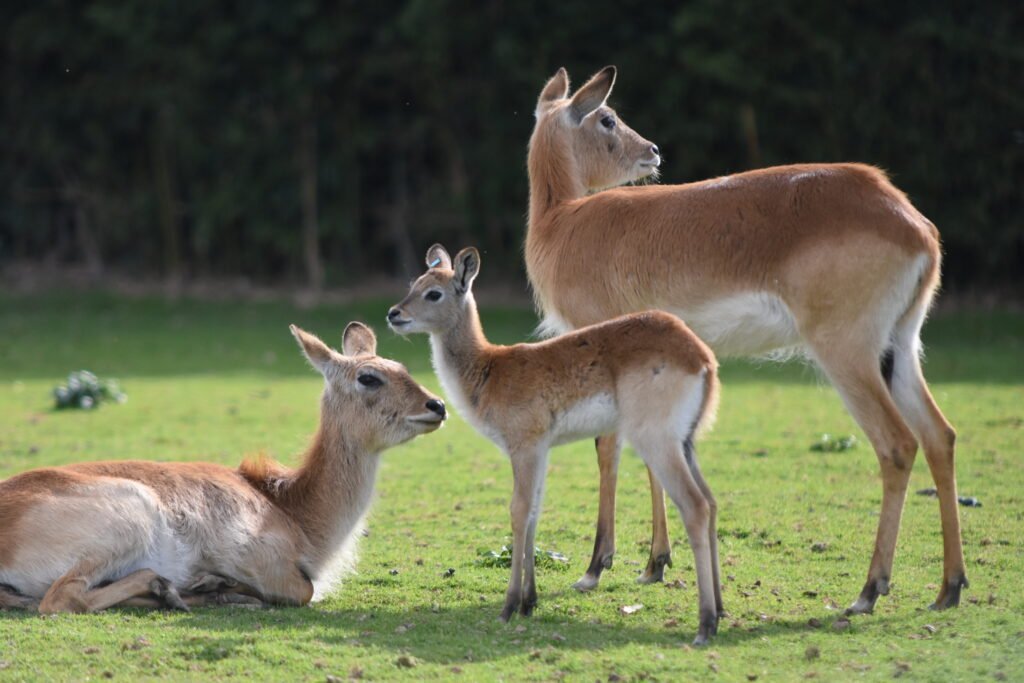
x=749 y=324
x=592 y=416
x=452 y=385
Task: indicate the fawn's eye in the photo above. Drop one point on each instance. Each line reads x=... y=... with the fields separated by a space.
x=433 y=295
x=370 y=381
x=608 y=121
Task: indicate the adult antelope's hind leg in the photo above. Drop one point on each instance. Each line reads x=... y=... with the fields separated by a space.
x=938 y=439
x=858 y=378
x=73 y=592
x=609 y=448
x=661 y=551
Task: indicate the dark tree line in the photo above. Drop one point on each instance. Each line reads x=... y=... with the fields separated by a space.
x=320 y=142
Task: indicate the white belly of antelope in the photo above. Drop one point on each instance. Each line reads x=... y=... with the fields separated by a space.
x=749 y=324
x=590 y=417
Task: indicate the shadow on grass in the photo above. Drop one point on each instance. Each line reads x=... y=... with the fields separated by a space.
x=450 y=636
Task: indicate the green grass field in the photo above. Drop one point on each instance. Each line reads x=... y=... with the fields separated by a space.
x=213 y=381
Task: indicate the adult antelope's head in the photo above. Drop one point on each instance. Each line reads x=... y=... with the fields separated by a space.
x=438 y=298
x=603 y=149
x=368 y=398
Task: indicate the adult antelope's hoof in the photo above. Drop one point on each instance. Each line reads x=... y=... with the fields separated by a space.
x=587 y=583
x=655 y=571
x=212 y=583
x=949 y=595
x=162 y=589
x=865 y=603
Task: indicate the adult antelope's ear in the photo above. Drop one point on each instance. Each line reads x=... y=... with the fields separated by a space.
x=467 y=265
x=593 y=94
x=358 y=340
x=557 y=88
x=317 y=353
x=437 y=257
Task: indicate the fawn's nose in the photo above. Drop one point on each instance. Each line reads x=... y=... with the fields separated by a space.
x=394 y=313
x=436 y=406
x=655 y=151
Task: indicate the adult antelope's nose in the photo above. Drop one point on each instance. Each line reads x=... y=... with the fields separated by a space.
x=394 y=313
x=436 y=406
x=655 y=151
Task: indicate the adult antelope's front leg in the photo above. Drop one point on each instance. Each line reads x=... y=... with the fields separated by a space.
x=528 y=472
x=609 y=449
x=661 y=551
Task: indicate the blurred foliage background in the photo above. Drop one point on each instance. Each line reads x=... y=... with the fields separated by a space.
x=315 y=143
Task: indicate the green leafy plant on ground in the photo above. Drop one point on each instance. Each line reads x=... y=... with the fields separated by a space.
x=216 y=382
x=543 y=559
x=85 y=390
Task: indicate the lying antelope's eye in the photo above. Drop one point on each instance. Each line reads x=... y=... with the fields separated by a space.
x=433 y=295
x=608 y=122
x=370 y=381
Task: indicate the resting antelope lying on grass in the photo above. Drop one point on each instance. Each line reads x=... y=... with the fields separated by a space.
x=645 y=376
x=85 y=537
x=830 y=261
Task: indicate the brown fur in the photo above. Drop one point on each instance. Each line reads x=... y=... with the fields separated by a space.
x=836 y=244
x=264 y=530
x=645 y=374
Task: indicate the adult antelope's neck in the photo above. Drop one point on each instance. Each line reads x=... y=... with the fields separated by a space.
x=332 y=488
x=554 y=177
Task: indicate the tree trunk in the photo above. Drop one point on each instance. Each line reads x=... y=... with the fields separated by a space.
x=307 y=159
x=166 y=196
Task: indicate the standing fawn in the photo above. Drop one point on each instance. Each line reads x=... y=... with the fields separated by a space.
x=826 y=260
x=645 y=376
x=85 y=537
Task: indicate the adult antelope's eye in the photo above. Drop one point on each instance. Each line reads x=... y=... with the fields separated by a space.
x=432 y=295
x=608 y=121
x=370 y=381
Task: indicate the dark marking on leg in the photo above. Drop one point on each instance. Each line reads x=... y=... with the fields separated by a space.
x=888 y=361
x=949 y=596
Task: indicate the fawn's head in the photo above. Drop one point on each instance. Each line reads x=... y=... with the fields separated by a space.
x=368 y=398
x=605 y=151
x=439 y=297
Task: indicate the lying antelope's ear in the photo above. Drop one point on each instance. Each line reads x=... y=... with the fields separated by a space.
x=593 y=94
x=557 y=88
x=467 y=265
x=437 y=257
x=318 y=353
x=358 y=340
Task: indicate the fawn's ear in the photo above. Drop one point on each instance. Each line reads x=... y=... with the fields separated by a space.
x=358 y=340
x=467 y=266
x=437 y=257
x=318 y=353
x=593 y=93
x=557 y=88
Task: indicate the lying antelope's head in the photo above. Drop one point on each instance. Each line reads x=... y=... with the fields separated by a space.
x=438 y=298
x=604 y=150
x=368 y=398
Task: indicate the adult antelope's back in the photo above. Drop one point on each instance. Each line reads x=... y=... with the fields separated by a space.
x=827 y=260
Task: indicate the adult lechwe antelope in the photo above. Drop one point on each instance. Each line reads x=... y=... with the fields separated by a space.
x=645 y=375
x=85 y=537
x=828 y=260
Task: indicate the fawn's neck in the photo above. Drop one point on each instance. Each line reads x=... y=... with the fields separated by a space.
x=460 y=354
